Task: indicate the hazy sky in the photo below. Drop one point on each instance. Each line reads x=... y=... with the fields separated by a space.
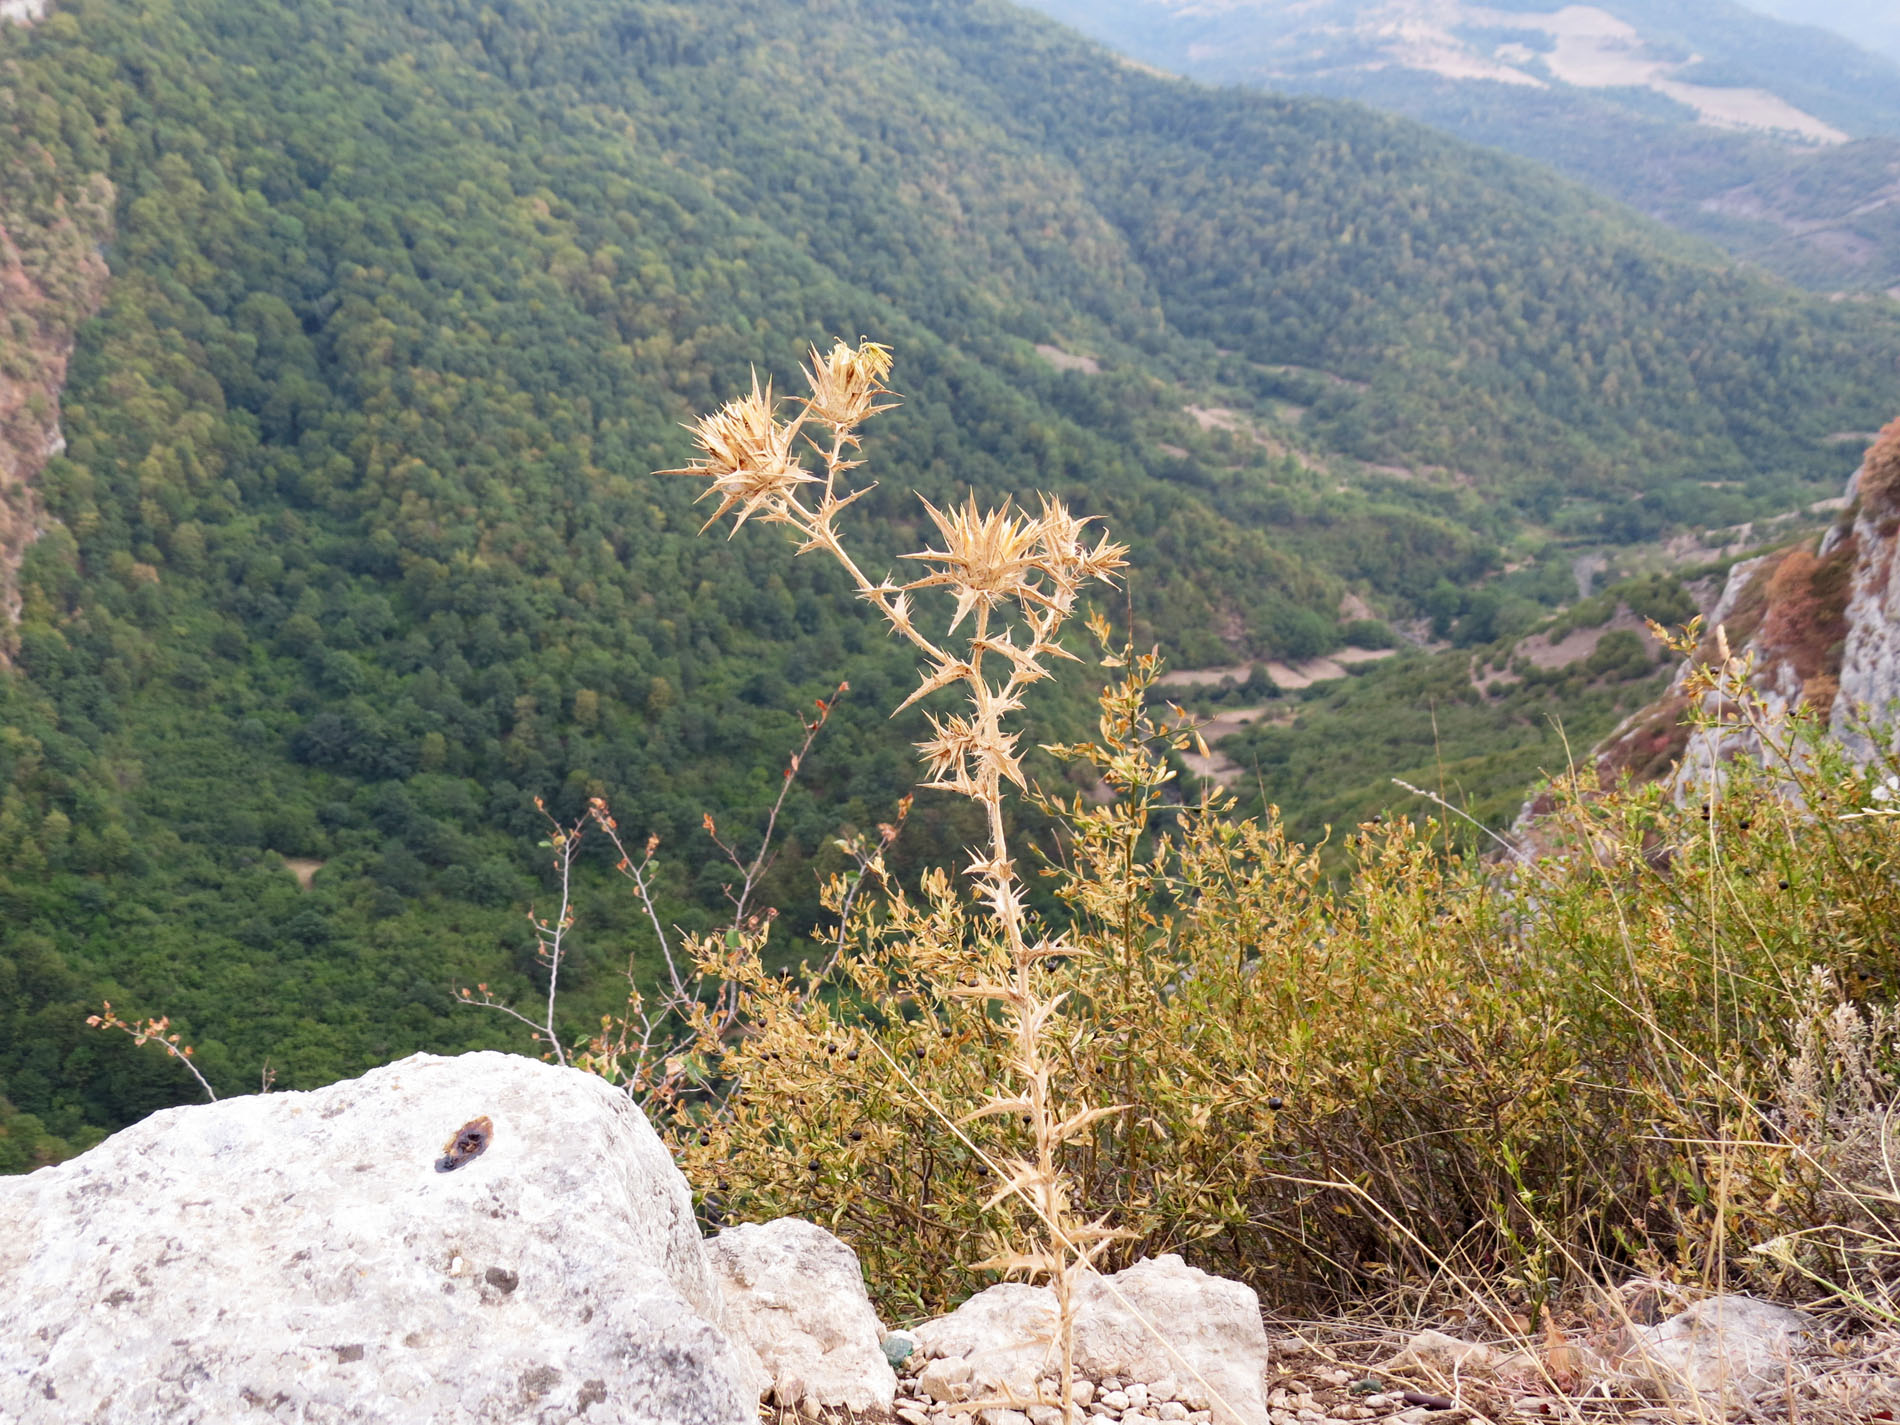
x=1873 y=24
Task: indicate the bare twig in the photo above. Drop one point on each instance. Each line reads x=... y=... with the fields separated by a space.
x=153 y=1031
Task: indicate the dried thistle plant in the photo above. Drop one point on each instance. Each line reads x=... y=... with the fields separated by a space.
x=1014 y=578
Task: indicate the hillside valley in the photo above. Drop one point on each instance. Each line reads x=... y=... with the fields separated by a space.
x=1774 y=139
x=352 y=334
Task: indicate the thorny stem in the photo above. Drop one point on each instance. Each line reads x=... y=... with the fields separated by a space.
x=990 y=558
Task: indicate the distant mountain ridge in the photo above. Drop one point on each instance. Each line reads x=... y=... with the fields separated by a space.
x=1781 y=142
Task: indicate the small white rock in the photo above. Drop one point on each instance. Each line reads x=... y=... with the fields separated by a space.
x=1116 y=1400
x=1137 y=1396
x=1171 y=1410
x=1082 y=1391
x=940 y=1379
x=1167 y=1388
x=911 y=1415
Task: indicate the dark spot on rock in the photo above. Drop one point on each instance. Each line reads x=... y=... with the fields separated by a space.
x=412 y=1340
x=120 y=1297
x=48 y=1391
x=587 y=1315
x=470 y=1142
x=362 y=1167
x=346 y=1354
x=592 y=1392
x=538 y=1382
x=501 y=1279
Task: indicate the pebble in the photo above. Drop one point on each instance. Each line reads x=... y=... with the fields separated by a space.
x=941 y=1377
x=1172 y=1410
x=1116 y=1400
x=1136 y=1417
x=1167 y=1388
x=1082 y=1391
x=911 y=1415
x=1137 y=1396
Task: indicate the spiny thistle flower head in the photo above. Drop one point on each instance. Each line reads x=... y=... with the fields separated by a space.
x=846 y=385
x=747 y=458
x=993 y=555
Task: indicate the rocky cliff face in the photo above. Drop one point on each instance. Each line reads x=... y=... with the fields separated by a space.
x=1819 y=623
x=53 y=227
x=52 y=277
x=1870 y=653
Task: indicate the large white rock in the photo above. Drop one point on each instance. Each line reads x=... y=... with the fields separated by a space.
x=1211 y=1340
x=1731 y=1347
x=796 y=1295
x=299 y=1257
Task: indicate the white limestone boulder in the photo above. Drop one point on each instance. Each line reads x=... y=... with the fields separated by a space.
x=299 y=1256
x=1727 y=1347
x=1157 y=1320
x=796 y=1295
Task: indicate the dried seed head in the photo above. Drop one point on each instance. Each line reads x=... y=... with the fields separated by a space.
x=988 y=556
x=747 y=458
x=846 y=385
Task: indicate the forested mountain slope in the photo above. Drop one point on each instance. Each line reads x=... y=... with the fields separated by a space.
x=354 y=549
x=1779 y=141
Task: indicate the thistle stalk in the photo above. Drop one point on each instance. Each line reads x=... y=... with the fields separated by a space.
x=1015 y=577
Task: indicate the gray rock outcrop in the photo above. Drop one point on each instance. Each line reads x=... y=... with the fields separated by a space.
x=795 y=1294
x=1211 y=1347
x=1870 y=654
x=299 y=1256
